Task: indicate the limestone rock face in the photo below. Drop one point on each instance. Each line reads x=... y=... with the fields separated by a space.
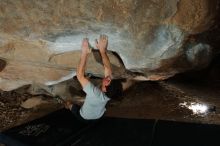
x=40 y=40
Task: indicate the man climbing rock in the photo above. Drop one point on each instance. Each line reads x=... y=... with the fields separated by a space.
x=96 y=99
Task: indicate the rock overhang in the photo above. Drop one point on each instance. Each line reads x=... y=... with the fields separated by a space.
x=40 y=40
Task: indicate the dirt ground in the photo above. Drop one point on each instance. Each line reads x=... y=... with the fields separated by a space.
x=151 y=100
x=162 y=100
x=12 y=114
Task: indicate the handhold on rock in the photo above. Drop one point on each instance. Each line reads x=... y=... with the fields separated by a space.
x=2 y=64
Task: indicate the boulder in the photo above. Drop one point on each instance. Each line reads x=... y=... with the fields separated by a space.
x=40 y=40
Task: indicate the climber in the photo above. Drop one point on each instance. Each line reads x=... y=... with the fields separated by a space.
x=96 y=99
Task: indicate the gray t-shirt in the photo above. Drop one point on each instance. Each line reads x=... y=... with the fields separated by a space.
x=94 y=104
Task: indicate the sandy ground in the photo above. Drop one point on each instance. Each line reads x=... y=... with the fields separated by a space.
x=150 y=100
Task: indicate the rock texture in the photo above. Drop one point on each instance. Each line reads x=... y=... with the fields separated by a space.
x=40 y=40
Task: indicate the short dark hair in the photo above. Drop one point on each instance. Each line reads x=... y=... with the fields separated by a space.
x=114 y=90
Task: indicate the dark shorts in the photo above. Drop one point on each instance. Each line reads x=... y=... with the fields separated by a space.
x=75 y=110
